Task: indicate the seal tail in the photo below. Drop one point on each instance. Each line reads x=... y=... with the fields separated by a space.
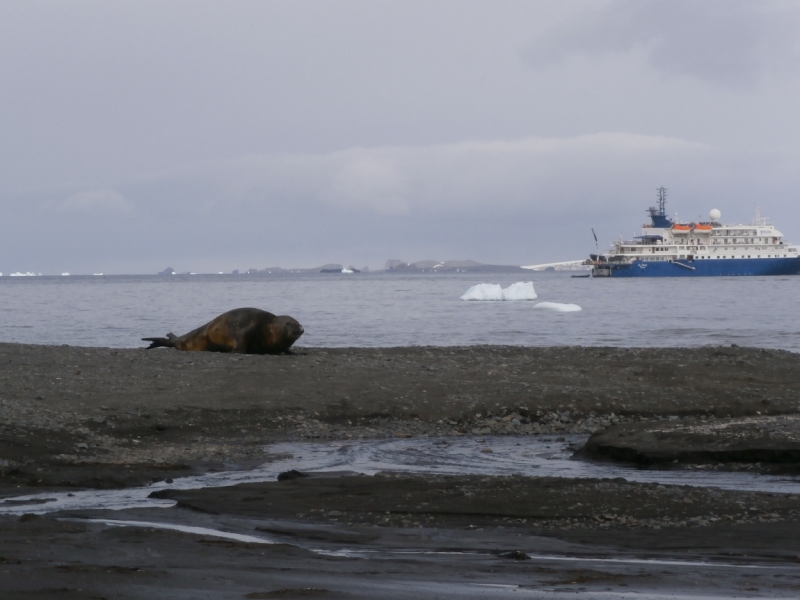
x=157 y=342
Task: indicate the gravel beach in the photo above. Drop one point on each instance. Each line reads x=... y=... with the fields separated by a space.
x=73 y=418
x=108 y=417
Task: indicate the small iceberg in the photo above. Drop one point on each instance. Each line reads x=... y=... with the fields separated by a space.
x=65 y=274
x=19 y=274
x=347 y=271
x=484 y=291
x=558 y=306
x=522 y=290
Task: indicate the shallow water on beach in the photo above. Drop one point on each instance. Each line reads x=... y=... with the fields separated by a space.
x=540 y=456
x=387 y=309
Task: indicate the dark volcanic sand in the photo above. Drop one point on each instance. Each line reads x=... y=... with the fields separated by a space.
x=93 y=417
x=459 y=501
x=774 y=441
x=371 y=537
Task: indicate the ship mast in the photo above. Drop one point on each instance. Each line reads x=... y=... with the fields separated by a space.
x=658 y=214
x=662 y=200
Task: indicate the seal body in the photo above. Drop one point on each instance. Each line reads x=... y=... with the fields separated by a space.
x=242 y=330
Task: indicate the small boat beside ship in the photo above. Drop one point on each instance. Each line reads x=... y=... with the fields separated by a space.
x=704 y=249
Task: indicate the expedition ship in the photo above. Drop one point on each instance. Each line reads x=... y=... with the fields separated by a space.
x=669 y=249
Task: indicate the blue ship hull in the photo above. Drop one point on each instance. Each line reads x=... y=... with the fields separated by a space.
x=725 y=267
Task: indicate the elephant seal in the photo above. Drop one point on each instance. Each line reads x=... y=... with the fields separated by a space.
x=241 y=330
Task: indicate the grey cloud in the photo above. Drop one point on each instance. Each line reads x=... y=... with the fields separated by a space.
x=468 y=177
x=731 y=42
x=212 y=136
x=507 y=201
x=96 y=201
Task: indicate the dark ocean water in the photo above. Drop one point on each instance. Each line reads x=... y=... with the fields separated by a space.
x=382 y=309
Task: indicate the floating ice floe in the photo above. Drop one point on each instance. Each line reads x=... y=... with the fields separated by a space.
x=28 y=274
x=522 y=290
x=558 y=306
x=347 y=271
x=484 y=291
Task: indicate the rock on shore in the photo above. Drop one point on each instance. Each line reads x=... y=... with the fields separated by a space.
x=771 y=439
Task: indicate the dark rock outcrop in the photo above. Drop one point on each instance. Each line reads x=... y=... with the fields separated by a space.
x=769 y=439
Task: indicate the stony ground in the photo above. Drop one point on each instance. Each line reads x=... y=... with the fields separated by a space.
x=532 y=503
x=772 y=442
x=95 y=416
x=82 y=560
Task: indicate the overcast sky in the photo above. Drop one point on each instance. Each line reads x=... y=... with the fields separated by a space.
x=210 y=136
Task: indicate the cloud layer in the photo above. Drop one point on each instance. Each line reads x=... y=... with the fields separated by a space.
x=514 y=201
x=207 y=136
x=719 y=41
x=96 y=201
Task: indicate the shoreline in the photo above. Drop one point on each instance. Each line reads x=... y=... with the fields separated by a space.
x=97 y=418
x=65 y=411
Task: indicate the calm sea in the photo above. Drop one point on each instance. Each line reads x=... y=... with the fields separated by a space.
x=382 y=309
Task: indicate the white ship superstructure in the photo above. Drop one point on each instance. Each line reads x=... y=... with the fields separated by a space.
x=707 y=248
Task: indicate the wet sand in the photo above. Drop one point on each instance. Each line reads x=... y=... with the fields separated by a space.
x=102 y=417
x=97 y=560
x=74 y=418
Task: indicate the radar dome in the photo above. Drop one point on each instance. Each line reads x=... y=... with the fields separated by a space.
x=715 y=214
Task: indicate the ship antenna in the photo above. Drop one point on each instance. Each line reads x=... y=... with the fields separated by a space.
x=662 y=201
x=758 y=220
x=658 y=213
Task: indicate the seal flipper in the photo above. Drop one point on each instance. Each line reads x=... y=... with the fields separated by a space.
x=167 y=342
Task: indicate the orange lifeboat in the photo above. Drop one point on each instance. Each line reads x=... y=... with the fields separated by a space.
x=679 y=228
x=703 y=228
